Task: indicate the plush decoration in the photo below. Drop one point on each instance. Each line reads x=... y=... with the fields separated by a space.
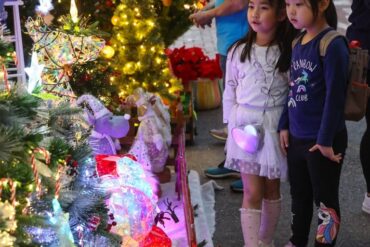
x=153 y=139
x=132 y=202
x=106 y=127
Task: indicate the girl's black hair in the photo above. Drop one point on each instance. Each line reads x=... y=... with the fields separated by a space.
x=330 y=13
x=284 y=36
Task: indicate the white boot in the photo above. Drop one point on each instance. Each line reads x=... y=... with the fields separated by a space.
x=269 y=219
x=250 y=221
x=366 y=204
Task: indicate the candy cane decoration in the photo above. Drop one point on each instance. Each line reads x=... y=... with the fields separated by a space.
x=13 y=189
x=1 y=185
x=34 y=168
x=80 y=235
x=57 y=183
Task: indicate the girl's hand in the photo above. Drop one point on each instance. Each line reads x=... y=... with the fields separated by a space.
x=284 y=140
x=328 y=152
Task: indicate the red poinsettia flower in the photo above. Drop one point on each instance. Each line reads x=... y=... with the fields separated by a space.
x=186 y=72
x=191 y=63
x=210 y=68
x=193 y=55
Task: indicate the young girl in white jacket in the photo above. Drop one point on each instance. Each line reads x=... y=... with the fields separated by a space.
x=255 y=91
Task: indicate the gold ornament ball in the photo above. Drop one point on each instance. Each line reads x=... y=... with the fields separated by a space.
x=115 y=19
x=121 y=7
x=108 y=51
x=129 y=68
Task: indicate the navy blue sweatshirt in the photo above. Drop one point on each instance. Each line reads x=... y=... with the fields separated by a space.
x=315 y=104
x=360 y=23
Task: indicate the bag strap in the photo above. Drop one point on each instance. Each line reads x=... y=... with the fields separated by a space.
x=327 y=39
x=297 y=39
x=324 y=42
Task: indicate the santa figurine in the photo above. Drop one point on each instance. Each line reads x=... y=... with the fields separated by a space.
x=153 y=138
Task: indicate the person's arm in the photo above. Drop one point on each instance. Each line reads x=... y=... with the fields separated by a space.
x=231 y=83
x=210 y=5
x=336 y=63
x=283 y=128
x=226 y=8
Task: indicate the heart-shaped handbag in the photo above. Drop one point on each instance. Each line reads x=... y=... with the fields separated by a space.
x=249 y=138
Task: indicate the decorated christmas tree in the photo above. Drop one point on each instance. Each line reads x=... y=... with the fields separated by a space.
x=99 y=77
x=138 y=55
x=51 y=194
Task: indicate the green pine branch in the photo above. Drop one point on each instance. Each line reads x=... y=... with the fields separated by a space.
x=11 y=146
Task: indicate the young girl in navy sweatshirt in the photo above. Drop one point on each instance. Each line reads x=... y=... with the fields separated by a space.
x=312 y=126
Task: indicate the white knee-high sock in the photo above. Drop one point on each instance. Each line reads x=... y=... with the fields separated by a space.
x=269 y=219
x=250 y=221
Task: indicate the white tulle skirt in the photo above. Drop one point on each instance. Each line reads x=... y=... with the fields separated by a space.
x=269 y=161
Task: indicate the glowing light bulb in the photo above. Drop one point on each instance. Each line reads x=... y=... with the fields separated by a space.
x=114 y=20
x=108 y=51
x=158 y=60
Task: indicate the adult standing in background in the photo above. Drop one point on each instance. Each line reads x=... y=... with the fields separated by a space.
x=231 y=25
x=359 y=30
